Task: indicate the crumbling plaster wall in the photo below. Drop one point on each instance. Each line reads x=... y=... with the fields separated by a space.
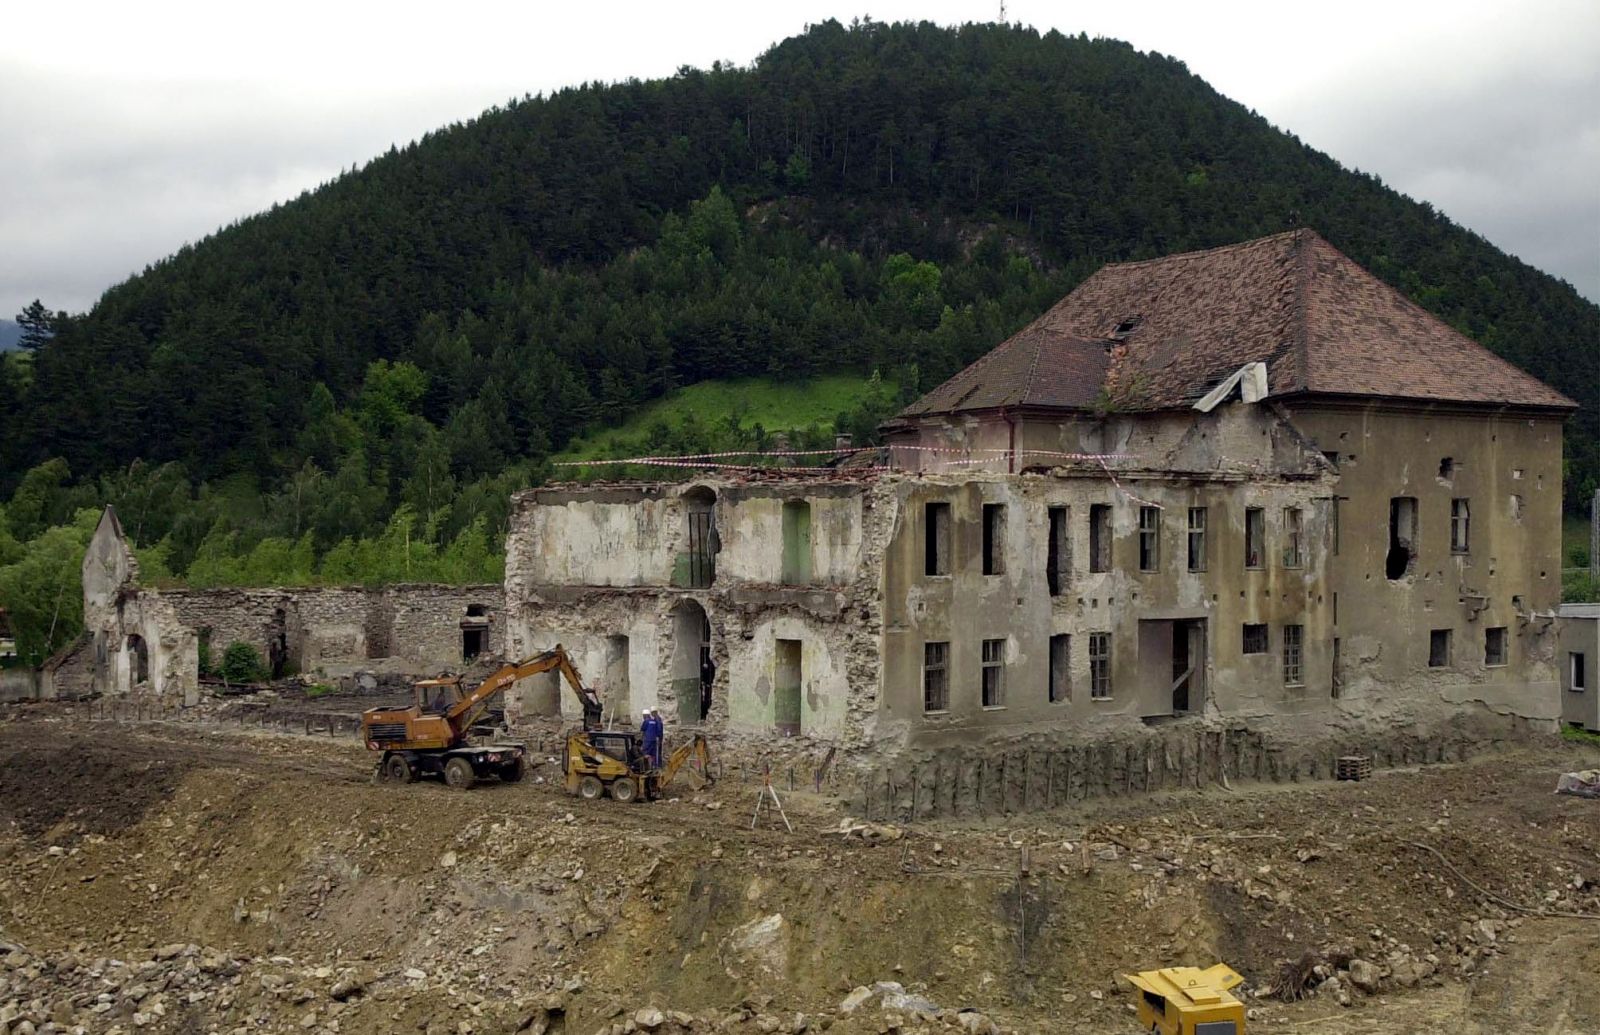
x=1508 y=467
x=605 y=536
x=747 y=607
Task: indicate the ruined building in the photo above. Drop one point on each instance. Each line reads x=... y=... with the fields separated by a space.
x=1245 y=487
x=1252 y=483
x=153 y=640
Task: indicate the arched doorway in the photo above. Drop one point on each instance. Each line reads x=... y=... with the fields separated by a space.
x=138 y=661
x=693 y=670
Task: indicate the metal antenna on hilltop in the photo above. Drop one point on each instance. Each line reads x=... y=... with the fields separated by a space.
x=1002 y=12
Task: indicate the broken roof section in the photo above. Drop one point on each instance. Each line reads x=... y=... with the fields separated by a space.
x=1164 y=333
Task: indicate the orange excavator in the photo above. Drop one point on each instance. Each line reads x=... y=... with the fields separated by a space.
x=430 y=736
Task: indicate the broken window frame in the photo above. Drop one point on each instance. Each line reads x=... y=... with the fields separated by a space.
x=1294 y=530
x=1058 y=551
x=1100 y=537
x=1496 y=647
x=1402 y=538
x=1294 y=673
x=994 y=674
x=935 y=676
x=1197 y=539
x=1149 y=539
x=1255 y=638
x=1255 y=538
x=936 y=539
x=1100 y=666
x=994 y=538
x=1060 y=668
x=1460 y=525
x=1440 y=647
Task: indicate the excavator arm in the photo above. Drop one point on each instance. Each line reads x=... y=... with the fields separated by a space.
x=695 y=750
x=462 y=714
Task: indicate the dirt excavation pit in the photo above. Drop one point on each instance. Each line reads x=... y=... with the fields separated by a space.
x=197 y=878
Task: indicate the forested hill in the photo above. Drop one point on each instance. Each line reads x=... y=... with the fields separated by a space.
x=423 y=331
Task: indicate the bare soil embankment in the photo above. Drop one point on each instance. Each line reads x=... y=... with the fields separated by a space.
x=166 y=877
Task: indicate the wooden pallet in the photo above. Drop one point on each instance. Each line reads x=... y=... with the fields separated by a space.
x=1353 y=767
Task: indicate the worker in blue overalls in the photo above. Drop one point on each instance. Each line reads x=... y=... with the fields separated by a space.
x=652 y=728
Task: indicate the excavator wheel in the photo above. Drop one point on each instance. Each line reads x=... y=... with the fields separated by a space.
x=397 y=770
x=511 y=772
x=623 y=789
x=458 y=774
x=590 y=788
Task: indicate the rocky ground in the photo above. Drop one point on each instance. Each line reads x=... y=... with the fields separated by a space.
x=179 y=877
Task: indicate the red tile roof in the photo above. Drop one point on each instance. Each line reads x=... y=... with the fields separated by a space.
x=1321 y=323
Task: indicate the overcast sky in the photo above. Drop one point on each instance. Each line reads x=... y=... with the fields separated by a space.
x=128 y=129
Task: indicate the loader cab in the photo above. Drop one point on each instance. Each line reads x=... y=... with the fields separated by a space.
x=622 y=746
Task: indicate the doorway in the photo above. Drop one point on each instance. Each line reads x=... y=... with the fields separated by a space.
x=614 y=688
x=278 y=644
x=1172 y=666
x=474 y=632
x=138 y=661
x=1188 y=665
x=788 y=681
x=693 y=670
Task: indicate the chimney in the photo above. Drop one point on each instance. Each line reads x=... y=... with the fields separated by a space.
x=842 y=441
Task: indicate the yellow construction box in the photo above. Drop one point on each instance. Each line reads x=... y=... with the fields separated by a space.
x=1190 y=1001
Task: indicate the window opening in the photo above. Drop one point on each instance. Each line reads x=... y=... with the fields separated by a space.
x=1197 y=539
x=994 y=538
x=936 y=677
x=1292 y=657
x=1255 y=537
x=1149 y=538
x=994 y=673
x=1060 y=667
x=1460 y=526
x=1439 y=648
x=796 y=542
x=1255 y=638
x=1100 y=665
x=700 y=559
x=1100 y=537
x=1577 y=677
x=1494 y=645
x=1447 y=468
x=1293 y=537
x=936 y=538
x=474 y=632
x=1058 y=563
x=1402 y=537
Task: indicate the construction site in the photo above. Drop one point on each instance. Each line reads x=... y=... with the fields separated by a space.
x=1213 y=618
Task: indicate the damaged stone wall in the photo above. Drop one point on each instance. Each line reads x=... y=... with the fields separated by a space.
x=790 y=604
x=320 y=632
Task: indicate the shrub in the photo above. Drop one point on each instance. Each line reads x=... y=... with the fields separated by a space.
x=241 y=663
